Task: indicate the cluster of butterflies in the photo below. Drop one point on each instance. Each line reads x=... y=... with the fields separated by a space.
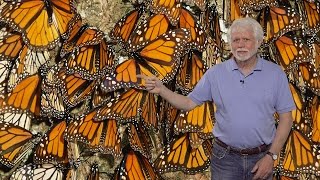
x=58 y=72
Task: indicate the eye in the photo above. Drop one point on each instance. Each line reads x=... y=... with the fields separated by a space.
x=236 y=40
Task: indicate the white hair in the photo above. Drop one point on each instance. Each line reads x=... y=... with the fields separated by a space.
x=245 y=23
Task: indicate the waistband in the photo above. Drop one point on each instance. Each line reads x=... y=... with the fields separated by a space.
x=248 y=151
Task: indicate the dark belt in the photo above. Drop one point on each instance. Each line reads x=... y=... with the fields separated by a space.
x=248 y=151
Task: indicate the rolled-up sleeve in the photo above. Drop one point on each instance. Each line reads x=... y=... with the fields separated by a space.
x=284 y=102
x=202 y=91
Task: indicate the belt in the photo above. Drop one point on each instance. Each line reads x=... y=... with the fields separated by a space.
x=248 y=151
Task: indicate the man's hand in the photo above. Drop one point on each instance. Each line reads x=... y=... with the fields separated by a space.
x=263 y=168
x=152 y=83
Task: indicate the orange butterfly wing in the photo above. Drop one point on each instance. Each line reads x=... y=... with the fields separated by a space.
x=298 y=155
x=124 y=27
x=171 y=8
x=194 y=120
x=198 y=38
x=147 y=31
x=160 y=58
x=290 y=51
x=26 y=95
x=306 y=75
x=134 y=166
x=250 y=5
x=13 y=142
x=276 y=21
x=124 y=108
x=140 y=139
x=179 y=155
x=191 y=70
x=99 y=136
x=311 y=12
x=315 y=115
x=52 y=147
x=74 y=88
x=10 y=45
x=40 y=22
x=80 y=35
x=162 y=54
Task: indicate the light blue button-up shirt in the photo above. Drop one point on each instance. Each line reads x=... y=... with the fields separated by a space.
x=245 y=105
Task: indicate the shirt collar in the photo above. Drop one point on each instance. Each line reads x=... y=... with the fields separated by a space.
x=234 y=66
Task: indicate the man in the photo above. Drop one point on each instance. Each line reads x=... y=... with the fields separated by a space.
x=247 y=91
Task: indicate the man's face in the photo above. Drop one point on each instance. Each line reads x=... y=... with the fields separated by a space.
x=243 y=43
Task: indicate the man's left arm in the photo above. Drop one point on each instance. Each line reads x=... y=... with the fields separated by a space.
x=282 y=132
x=263 y=168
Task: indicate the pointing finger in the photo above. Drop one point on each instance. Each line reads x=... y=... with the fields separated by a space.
x=142 y=76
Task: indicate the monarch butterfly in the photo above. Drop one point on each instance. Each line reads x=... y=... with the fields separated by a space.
x=194 y=120
x=212 y=54
x=39 y=19
x=101 y=136
x=179 y=155
x=124 y=27
x=247 y=6
x=16 y=143
x=25 y=96
x=316 y=54
x=26 y=60
x=307 y=76
x=195 y=140
x=80 y=35
x=39 y=172
x=139 y=139
x=171 y=8
x=99 y=98
x=290 y=51
x=52 y=104
x=23 y=103
x=159 y=57
x=299 y=114
x=148 y=31
x=315 y=115
x=276 y=21
x=10 y=44
x=124 y=108
x=5 y=67
x=135 y=166
x=50 y=77
x=52 y=147
x=90 y=61
x=74 y=88
x=191 y=70
x=210 y=22
x=311 y=12
x=167 y=116
x=198 y=38
x=299 y=156
x=129 y=106
x=233 y=10
x=201 y=4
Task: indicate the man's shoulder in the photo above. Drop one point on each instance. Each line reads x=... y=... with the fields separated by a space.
x=221 y=65
x=271 y=66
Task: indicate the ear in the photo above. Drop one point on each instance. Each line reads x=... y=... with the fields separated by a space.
x=259 y=42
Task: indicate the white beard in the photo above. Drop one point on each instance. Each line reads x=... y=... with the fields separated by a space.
x=245 y=53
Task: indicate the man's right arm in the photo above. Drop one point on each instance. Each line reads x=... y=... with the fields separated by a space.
x=154 y=85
